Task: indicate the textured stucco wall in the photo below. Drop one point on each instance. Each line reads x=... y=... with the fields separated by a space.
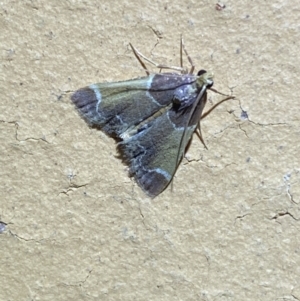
x=78 y=228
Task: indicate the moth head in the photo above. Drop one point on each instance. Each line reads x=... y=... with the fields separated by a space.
x=205 y=78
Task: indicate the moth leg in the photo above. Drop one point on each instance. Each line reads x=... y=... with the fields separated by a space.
x=181 y=46
x=139 y=55
x=188 y=57
x=216 y=91
x=200 y=134
x=217 y=104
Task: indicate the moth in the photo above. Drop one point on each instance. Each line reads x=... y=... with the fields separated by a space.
x=152 y=118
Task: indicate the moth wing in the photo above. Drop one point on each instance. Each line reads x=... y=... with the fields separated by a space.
x=117 y=106
x=154 y=153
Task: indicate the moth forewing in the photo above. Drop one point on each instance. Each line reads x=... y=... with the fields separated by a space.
x=133 y=130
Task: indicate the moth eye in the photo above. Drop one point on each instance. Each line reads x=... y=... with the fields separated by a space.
x=201 y=72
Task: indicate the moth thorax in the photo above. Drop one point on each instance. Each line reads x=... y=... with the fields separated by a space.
x=183 y=94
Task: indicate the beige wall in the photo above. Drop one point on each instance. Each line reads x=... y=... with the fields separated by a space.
x=78 y=228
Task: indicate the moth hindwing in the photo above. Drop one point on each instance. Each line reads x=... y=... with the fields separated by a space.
x=153 y=118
